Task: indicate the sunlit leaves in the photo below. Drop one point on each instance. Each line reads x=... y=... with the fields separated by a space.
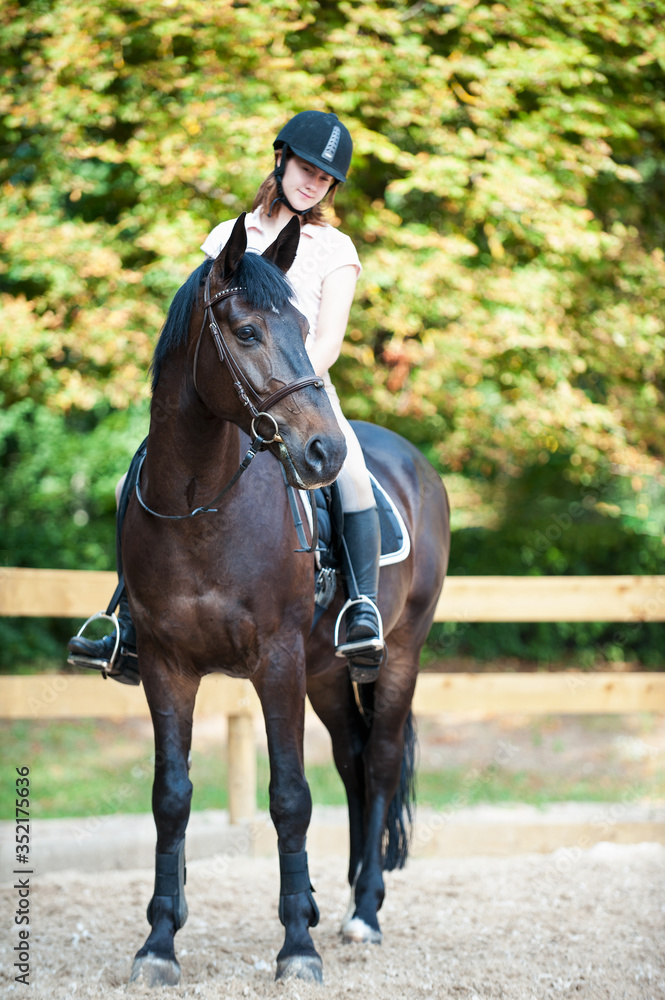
x=505 y=200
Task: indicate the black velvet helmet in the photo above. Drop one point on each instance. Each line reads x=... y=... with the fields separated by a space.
x=320 y=138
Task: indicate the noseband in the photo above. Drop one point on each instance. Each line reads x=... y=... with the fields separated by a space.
x=249 y=397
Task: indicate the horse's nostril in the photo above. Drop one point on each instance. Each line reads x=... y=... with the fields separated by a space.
x=315 y=453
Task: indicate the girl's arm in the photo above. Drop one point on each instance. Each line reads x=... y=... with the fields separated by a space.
x=336 y=298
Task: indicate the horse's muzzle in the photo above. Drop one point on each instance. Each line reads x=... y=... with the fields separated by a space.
x=318 y=464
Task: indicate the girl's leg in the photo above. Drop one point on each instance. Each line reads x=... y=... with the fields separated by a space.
x=99 y=653
x=354 y=482
x=363 y=644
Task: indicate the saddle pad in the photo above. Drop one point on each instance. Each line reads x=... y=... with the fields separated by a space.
x=395 y=541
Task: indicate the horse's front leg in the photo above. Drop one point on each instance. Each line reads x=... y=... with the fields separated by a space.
x=282 y=695
x=171 y=699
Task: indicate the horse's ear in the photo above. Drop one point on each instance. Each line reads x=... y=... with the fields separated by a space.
x=233 y=252
x=283 y=251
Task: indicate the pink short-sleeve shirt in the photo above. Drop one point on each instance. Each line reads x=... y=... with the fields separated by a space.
x=322 y=249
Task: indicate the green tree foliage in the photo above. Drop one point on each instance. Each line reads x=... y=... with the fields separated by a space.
x=505 y=198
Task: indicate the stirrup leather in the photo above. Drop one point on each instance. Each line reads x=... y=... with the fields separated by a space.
x=360 y=645
x=106 y=666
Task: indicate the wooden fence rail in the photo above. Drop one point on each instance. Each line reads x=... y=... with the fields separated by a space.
x=77 y=593
x=70 y=696
x=621 y=599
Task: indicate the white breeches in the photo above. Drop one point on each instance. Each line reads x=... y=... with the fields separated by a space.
x=354 y=482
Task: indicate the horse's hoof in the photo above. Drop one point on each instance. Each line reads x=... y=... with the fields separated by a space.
x=150 y=970
x=308 y=967
x=356 y=931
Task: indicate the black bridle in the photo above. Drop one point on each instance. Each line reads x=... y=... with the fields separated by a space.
x=248 y=395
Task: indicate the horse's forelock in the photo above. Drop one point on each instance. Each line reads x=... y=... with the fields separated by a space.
x=263 y=284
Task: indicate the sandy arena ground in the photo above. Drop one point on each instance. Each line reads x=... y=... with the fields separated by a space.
x=587 y=924
x=583 y=924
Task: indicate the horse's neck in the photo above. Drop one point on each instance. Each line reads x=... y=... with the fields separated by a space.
x=191 y=453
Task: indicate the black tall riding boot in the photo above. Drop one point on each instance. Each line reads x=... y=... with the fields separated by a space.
x=98 y=653
x=363 y=645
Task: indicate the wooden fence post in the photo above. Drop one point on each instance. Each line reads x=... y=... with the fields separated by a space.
x=241 y=768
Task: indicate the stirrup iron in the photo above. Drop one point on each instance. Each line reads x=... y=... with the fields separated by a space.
x=106 y=666
x=360 y=645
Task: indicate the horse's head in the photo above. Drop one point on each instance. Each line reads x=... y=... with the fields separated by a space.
x=265 y=382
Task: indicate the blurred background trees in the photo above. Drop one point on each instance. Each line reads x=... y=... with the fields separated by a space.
x=506 y=202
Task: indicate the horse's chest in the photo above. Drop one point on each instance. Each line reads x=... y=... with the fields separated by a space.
x=225 y=616
x=212 y=627
x=222 y=595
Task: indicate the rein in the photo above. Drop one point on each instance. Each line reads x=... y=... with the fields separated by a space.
x=254 y=448
x=245 y=392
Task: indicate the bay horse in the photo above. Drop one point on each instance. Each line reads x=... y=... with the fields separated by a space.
x=217 y=586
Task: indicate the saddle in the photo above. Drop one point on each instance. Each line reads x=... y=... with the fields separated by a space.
x=326 y=525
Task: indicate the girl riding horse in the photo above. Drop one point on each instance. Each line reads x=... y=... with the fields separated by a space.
x=312 y=156
x=227 y=592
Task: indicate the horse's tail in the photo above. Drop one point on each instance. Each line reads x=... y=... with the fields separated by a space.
x=399 y=822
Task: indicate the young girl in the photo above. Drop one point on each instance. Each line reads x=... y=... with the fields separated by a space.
x=312 y=155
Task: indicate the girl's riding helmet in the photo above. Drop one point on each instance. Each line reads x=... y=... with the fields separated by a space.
x=320 y=138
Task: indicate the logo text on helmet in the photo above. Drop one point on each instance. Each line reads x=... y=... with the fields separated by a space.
x=331 y=147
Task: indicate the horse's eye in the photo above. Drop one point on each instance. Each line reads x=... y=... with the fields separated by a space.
x=246 y=333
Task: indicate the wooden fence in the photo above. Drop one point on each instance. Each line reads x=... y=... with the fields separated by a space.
x=626 y=600
x=63 y=593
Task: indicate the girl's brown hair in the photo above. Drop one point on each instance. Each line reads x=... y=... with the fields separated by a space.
x=318 y=215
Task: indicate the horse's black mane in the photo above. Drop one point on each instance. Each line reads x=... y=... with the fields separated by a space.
x=263 y=284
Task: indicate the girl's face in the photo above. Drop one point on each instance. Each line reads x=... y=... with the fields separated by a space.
x=304 y=184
